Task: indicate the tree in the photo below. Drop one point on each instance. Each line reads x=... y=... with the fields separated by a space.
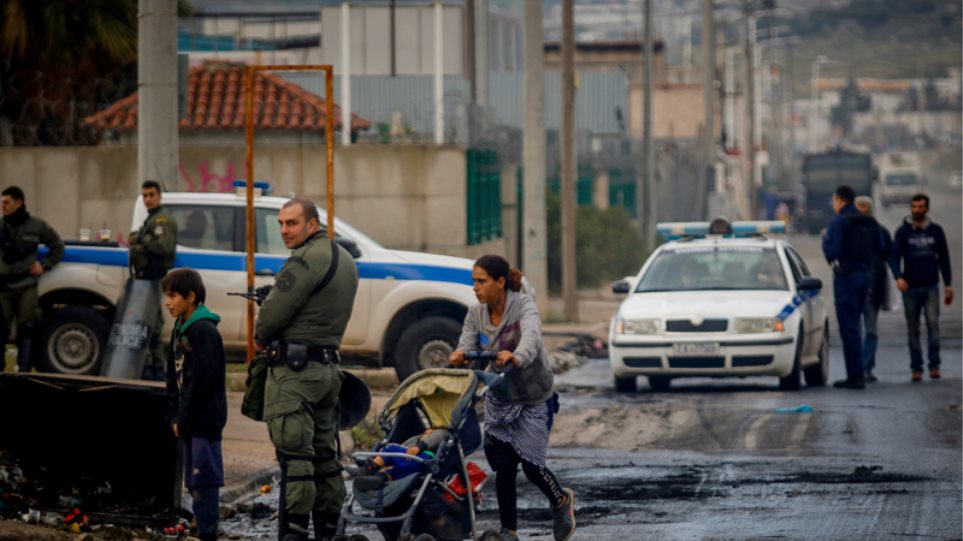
x=60 y=61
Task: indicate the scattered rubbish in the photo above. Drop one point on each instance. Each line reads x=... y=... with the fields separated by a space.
x=801 y=408
x=264 y=489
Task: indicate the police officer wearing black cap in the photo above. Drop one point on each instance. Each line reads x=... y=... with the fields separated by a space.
x=851 y=242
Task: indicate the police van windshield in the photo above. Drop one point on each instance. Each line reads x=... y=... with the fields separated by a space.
x=714 y=268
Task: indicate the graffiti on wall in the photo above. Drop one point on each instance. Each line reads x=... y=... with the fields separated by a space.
x=205 y=179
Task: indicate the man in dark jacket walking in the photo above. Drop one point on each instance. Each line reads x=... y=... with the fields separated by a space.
x=877 y=292
x=919 y=257
x=850 y=243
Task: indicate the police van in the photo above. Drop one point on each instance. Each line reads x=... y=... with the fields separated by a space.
x=407 y=313
x=720 y=303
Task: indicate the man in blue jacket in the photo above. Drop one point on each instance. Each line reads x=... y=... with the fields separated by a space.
x=850 y=243
x=919 y=257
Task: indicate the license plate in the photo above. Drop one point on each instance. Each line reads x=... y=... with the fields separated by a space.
x=695 y=349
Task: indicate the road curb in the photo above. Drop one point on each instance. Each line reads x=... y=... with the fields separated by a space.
x=248 y=488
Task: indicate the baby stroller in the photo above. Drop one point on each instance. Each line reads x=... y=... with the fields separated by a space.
x=423 y=505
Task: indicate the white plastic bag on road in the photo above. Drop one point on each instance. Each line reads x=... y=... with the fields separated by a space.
x=892 y=296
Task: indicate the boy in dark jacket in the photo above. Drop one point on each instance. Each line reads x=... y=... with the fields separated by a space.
x=920 y=255
x=197 y=399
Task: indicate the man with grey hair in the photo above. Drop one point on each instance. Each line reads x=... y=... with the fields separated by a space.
x=876 y=294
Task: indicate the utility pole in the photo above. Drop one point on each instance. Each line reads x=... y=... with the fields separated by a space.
x=157 y=142
x=568 y=163
x=346 y=73
x=648 y=146
x=709 y=95
x=439 y=77
x=749 y=105
x=533 y=155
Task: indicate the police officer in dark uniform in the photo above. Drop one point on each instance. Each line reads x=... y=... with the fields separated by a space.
x=20 y=234
x=300 y=326
x=152 y=250
x=851 y=242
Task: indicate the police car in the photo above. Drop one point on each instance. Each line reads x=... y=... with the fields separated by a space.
x=733 y=304
x=407 y=312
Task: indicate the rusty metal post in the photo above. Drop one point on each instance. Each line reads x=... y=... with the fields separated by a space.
x=249 y=158
x=249 y=155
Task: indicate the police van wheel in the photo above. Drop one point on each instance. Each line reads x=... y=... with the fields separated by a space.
x=817 y=374
x=74 y=341
x=426 y=343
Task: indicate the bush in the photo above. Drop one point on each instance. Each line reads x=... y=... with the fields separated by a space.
x=608 y=245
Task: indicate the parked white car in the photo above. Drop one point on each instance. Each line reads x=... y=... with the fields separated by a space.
x=407 y=313
x=714 y=305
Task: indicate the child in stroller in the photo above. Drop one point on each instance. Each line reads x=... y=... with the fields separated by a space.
x=431 y=407
x=377 y=471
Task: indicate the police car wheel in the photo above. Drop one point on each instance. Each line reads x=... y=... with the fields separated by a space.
x=660 y=383
x=74 y=341
x=791 y=381
x=426 y=343
x=817 y=374
x=626 y=385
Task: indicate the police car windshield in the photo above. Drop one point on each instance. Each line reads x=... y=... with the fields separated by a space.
x=714 y=268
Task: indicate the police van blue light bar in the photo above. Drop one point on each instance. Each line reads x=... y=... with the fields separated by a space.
x=263 y=185
x=694 y=230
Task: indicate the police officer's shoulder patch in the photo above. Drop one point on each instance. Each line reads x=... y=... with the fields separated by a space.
x=285 y=281
x=161 y=220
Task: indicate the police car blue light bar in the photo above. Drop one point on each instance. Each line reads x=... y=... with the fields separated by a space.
x=693 y=230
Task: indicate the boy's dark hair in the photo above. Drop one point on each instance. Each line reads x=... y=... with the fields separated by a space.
x=16 y=193
x=498 y=267
x=183 y=282
x=148 y=184
x=917 y=197
x=846 y=193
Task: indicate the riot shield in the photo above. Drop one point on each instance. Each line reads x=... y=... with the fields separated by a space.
x=130 y=335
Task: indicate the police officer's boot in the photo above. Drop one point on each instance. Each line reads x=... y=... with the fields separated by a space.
x=24 y=347
x=295 y=527
x=325 y=526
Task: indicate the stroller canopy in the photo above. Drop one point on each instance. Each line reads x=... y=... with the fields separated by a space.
x=444 y=394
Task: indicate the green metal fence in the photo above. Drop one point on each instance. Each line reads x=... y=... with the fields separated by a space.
x=484 y=196
x=622 y=189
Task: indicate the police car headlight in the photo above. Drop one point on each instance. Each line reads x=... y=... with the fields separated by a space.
x=758 y=325
x=637 y=326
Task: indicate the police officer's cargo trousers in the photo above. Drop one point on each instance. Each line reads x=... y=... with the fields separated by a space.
x=850 y=290
x=155 y=360
x=300 y=409
x=21 y=305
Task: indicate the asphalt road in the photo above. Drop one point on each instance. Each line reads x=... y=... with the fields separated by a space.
x=714 y=459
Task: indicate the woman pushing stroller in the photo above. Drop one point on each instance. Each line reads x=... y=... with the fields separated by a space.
x=518 y=413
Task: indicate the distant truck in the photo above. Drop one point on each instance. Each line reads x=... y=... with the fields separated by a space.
x=407 y=313
x=900 y=178
x=822 y=173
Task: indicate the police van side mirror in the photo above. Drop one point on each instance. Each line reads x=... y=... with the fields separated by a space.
x=351 y=246
x=808 y=283
x=620 y=287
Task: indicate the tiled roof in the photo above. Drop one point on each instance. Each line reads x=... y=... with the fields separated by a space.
x=216 y=100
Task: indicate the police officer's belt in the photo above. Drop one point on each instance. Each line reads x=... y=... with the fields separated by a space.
x=296 y=356
x=12 y=278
